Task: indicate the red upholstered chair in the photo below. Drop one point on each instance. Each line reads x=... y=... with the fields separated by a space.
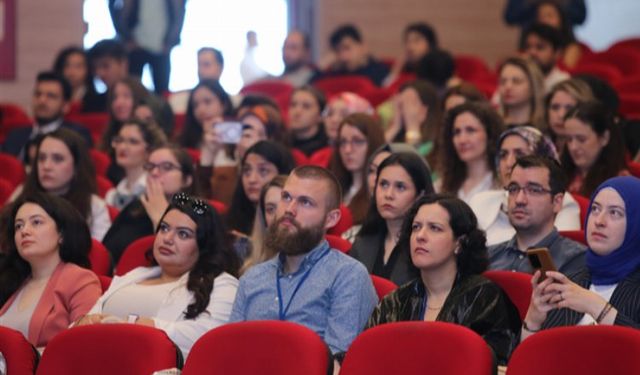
x=322 y=157
x=100 y=258
x=135 y=255
x=219 y=206
x=630 y=85
x=178 y=125
x=583 y=203
x=470 y=67
x=417 y=348
x=628 y=44
x=195 y=155
x=12 y=169
x=12 y=116
x=105 y=349
x=338 y=243
x=6 y=189
x=299 y=157
x=633 y=167
x=104 y=185
x=101 y=161
x=382 y=286
x=627 y=61
x=96 y=123
x=576 y=235
x=105 y=282
x=259 y=347
x=345 y=222
x=606 y=72
x=630 y=104
x=20 y=356
x=584 y=350
x=517 y=286
x=113 y=212
x=337 y=84
x=271 y=88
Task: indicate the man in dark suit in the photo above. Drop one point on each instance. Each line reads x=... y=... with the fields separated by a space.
x=50 y=102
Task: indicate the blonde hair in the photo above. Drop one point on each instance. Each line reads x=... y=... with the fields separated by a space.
x=536 y=84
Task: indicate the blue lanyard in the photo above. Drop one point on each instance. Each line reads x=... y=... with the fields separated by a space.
x=282 y=311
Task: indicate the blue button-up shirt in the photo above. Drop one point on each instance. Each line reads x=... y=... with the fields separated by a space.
x=335 y=300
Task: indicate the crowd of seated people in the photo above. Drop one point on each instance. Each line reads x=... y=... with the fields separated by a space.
x=431 y=179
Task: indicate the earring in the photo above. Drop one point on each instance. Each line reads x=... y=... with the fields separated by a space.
x=60 y=241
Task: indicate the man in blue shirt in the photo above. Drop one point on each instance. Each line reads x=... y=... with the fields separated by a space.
x=308 y=282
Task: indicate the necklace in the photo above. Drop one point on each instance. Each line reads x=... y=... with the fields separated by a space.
x=434 y=308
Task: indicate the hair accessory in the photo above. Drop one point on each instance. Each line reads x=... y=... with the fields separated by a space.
x=198 y=206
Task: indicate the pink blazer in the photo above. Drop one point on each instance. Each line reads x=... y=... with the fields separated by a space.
x=69 y=294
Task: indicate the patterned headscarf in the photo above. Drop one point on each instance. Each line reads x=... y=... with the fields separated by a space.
x=539 y=144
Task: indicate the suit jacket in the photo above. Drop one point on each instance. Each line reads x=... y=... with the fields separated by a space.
x=18 y=138
x=366 y=249
x=625 y=298
x=170 y=317
x=474 y=302
x=69 y=294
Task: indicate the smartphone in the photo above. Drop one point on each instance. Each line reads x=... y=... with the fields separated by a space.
x=229 y=131
x=540 y=259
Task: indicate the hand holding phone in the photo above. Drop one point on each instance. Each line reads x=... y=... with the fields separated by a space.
x=540 y=259
x=229 y=132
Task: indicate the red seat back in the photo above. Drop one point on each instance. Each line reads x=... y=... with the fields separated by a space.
x=105 y=282
x=603 y=71
x=101 y=161
x=338 y=243
x=417 y=348
x=576 y=235
x=627 y=61
x=109 y=349
x=113 y=213
x=259 y=347
x=382 y=286
x=12 y=169
x=584 y=350
x=135 y=255
x=6 y=189
x=95 y=122
x=220 y=207
x=271 y=88
x=12 y=116
x=100 y=258
x=517 y=286
x=104 y=185
x=20 y=356
x=583 y=203
x=630 y=105
x=345 y=222
x=353 y=83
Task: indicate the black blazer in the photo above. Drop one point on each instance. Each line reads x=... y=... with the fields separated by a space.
x=18 y=138
x=625 y=298
x=367 y=248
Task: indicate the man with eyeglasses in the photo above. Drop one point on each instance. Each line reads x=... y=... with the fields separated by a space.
x=535 y=191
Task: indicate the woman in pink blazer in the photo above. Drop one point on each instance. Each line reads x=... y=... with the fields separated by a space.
x=43 y=287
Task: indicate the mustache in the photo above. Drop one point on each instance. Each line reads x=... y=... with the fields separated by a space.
x=289 y=218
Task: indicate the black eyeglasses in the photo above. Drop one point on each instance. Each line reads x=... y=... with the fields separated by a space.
x=531 y=190
x=199 y=207
x=163 y=167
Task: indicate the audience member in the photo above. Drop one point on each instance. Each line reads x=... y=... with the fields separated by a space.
x=417 y=118
x=296 y=55
x=419 y=39
x=491 y=207
x=43 y=285
x=208 y=105
x=191 y=286
x=552 y=13
x=318 y=287
x=259 y=123
x=459 y=94
x=401 y=179
x=50 y=102
x=520 y=92
x=543 y=44
x=445 y=247
x=339 y=107
x=606 y=291
x=210 y=63
x=62 y=166
x=265 y=216
x=109 y=62
x=352 y=56
x=468 y=150
x=358 y=136
x=260 y=164
x=536 y=188
x=150 y=30
x=563 y=97
x=250 y=69
x=73 y=64
x=132 y=146
x=169 y=171
x=306 y=130
x=438 y=68
x=594 y=150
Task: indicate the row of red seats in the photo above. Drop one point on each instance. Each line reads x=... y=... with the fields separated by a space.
x=283 y=348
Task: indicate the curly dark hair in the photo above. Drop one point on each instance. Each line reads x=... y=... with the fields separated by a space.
x=74 y=246
x=472 y=258
x=215 y=253
x=454 y=170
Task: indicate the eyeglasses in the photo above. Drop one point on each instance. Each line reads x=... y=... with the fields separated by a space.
x=356 y=142
x=531 y=190
x=118 y=140
x=163 y=167
x=199 y=207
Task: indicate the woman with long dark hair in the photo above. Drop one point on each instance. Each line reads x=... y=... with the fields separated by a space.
x=192 y=285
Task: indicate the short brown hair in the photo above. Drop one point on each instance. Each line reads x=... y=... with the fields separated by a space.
x=334 y=194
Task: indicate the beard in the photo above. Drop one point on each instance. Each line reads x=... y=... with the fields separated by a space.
x=301 y=241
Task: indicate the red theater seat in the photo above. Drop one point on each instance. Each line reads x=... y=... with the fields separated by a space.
x=101 y=161
x=517 y=286
x=20 y=356
x=382 y=286
x=100 y=258
x=12 y=169
x=338 y=243
x=135 y=255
